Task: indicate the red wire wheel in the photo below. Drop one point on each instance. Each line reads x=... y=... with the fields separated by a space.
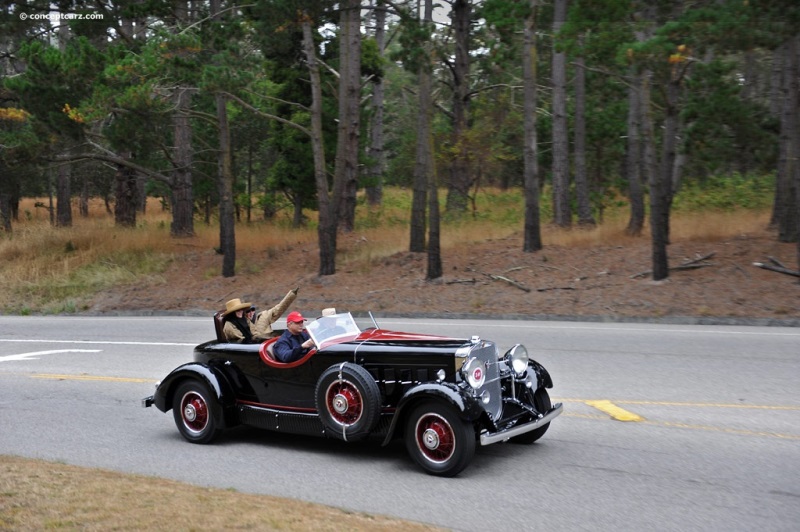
x=435 y=438
x=345 y=403
x=348 y=401
x=196 y=412
x=439 y=440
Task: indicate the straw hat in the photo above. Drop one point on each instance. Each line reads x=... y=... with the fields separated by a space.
x=235 y=304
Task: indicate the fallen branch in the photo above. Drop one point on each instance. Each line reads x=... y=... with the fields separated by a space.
x=688 y=265
x=495 y=277
x=462 y=281
x=778 y=269
x=777 y=263
x=555 y=288
x=509 y=281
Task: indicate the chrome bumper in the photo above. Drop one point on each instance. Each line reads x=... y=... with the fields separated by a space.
x=148 y=401
x=487 y=438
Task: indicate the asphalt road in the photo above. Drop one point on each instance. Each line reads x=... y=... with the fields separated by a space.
x=712 y=441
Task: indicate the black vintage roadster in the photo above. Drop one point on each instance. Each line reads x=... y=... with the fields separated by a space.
x=442 y=395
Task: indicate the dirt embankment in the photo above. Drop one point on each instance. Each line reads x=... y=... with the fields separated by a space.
x=494 y=278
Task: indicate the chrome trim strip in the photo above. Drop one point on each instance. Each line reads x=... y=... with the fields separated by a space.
x=487 y=439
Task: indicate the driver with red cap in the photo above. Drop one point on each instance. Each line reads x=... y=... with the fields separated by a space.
x=295 y=341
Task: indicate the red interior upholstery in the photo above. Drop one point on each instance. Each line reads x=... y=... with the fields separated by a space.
x=269 y=358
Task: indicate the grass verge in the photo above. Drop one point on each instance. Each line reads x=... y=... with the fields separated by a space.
x=40 y=495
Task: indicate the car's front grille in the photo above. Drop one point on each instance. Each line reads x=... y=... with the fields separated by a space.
x=486 y=352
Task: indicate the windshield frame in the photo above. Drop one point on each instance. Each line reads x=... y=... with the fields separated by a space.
x=334 y=329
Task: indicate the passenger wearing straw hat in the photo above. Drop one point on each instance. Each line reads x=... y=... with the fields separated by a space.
x=263 y=324
x=237 y=327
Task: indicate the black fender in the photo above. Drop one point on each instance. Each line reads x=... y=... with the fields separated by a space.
x=214 y=378
x=468 y=407
x=542 y=375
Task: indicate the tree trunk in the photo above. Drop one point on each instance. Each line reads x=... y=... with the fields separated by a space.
x=5 y=212
x=776 y=84
x=83 y=204
x=661 y=189
x=345 y=185
x=561 y=208
x=460 y=175
x=585 y=217
x=776 y=101
x=297 y=218
x=375 y=152
x=141 y=193
x=434 y=248
x=633 y=159
x=423 y=167
x=326 y=229
x=125 y=206
x=63 y=197
x=5 y=200
x=227 y=234
x=182 y=193
x=532 y=240
x=249 y=207
x=786 y=205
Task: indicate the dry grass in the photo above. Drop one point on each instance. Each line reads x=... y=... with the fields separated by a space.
x=56 y=271
x=699 y=227
x=38 y=495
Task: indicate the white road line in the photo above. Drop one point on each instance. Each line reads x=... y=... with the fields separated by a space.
x=36 y=354
x=93 y=342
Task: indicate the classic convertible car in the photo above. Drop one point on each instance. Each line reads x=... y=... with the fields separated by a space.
x=442 y=395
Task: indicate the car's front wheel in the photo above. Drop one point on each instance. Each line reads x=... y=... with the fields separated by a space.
x=439 y=440
x=541 y=399
x=196 y=412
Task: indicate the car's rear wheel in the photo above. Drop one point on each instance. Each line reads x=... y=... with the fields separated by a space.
x=541 y=399
x=348 y=401
x=196 y=412
x=439 y=440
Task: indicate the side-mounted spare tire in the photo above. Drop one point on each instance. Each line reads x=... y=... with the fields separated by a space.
x=348 y=401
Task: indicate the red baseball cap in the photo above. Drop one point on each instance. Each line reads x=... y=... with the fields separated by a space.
x=294 y=317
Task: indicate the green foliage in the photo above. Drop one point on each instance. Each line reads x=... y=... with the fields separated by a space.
x=413 y=37
x=372 y=62
x=726 y=193
x=55 y=82
x=724 y=129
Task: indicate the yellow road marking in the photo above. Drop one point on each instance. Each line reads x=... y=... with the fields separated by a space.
x=724 y=429
x=700 y=405
x=620 y=414
x=87 y=378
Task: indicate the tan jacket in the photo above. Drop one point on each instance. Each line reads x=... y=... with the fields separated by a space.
x=233 y=334
x=263 y=326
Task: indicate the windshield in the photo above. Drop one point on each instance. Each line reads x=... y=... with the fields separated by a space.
x=333 y=329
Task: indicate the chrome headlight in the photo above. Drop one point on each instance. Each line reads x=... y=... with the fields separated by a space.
x=517 y=359
x=474 y=372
